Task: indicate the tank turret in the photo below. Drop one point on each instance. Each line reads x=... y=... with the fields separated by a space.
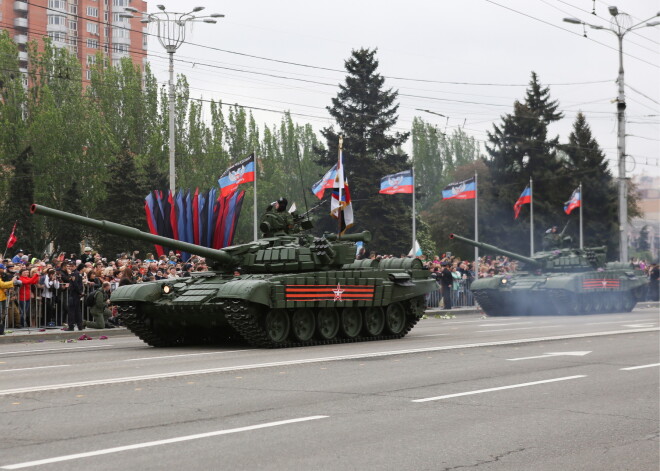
x=561 y=281
x=286 y=289
x=559 y=260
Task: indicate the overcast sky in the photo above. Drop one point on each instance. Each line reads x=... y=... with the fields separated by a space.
x=465 y=59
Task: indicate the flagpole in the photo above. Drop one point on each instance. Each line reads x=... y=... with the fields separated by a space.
x=476 y=226
x=414 y=227
x=581 y=199
x=341 y=184
x=255 y=194
x=531 y=217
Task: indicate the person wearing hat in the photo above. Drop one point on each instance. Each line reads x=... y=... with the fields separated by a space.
x=87 y=255
x=25 y=294
x=75 y=292
x=6 y=282
x=17 y=258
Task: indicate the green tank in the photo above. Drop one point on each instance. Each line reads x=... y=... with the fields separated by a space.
x=560 y=281
x=287 y=289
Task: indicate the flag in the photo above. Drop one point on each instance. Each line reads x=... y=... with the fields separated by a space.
x=574 y=202
x=465 y=190
x=416 y=251
x=525 y=198
x=241 y=172
x=401 y=182
x=327 y=181
x=12 y=237
x=341 y=207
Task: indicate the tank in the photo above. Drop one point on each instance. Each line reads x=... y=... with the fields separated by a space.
x=283 y=290
x=559 y=281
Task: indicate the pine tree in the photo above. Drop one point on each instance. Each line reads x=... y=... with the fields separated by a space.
x=21 y=197
x=67 y=236
x=365 y=113
x=124 y=204
x=585 y=163
x=519 y=148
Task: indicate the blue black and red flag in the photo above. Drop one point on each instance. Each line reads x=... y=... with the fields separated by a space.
x=574 y=202
x=465 y=190
x=241 y=172
x=328 y=181
x=401 y=182
x=525 y=198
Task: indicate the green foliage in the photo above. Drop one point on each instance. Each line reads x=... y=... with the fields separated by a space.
x=365 y=114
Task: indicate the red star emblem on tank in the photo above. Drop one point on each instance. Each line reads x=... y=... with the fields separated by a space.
x=338 y=291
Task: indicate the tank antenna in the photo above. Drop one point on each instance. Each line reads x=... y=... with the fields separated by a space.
x=302 y=184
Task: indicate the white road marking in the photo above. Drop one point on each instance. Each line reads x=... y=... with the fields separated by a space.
x=431 y=335
x=32 y=368
x=168 y=441
x=639 y=367
x=638 y=326
x=503 y=323
x=56 y=349
x=549 y=355
x=452 y=321
x=521 y=328
x=176 y=374
x=185 y=355
x=616 y=322
x=480 y=391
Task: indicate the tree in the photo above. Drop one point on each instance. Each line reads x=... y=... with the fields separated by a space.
x=519 y=148
x=584 y=162
x=124 y=204
x=366 y=113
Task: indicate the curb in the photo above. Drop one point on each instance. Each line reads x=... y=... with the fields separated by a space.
x=35 y=336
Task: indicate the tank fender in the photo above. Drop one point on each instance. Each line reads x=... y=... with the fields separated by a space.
x=255 y=291
x=140 y=292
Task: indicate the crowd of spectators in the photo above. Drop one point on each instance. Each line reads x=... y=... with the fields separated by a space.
x=35 y=291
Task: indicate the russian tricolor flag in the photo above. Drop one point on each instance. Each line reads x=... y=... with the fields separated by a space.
x=401 y=182
x=242 y=172
x=525 y=198
x=465 y=190
x=328 y=181
x=574 y=202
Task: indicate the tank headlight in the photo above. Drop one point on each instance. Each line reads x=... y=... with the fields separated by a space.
x=504 y=281
x=167 y=289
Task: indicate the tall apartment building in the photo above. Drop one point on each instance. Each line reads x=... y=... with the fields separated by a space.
x=84 y=27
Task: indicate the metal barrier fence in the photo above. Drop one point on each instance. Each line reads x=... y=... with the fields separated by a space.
x=41 y=312
x=460 y=295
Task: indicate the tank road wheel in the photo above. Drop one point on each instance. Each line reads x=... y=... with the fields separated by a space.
x=374 y=321
x=351 y=322
x=617 y=302
x=327 y=323
x=597 y=303
x=395 y=318
x=628 y=302
x=303 y=324
x=277 y=325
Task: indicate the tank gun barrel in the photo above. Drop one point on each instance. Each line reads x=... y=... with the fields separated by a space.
x=364 y=236
x=217 y=255
x=496 y=250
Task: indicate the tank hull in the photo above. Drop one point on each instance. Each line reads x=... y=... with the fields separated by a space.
x=560 y=293
x=275 y=311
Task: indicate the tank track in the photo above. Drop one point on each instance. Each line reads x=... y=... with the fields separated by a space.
x=129 y=316
x=246 y=320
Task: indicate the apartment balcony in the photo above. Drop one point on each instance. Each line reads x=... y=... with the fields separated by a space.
x=116 y=40
x=22 y=56
x=56 y=29
x=21 y=23
x=23 y=70
x=21 y=6
x=21 y=39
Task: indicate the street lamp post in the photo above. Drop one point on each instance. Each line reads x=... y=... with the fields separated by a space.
x=619 y=26
x=171 y=35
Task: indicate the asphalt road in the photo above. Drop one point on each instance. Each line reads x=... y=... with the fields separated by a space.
x=527 y=393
